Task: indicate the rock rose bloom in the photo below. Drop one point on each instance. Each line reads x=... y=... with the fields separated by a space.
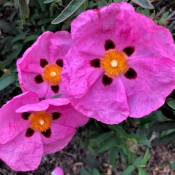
x=58 y=171
x=40 y=67
x=120 y=64
x=29 y=131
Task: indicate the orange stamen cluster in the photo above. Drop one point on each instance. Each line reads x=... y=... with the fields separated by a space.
x=40 y=121
x=52 y=74
x=114 y=62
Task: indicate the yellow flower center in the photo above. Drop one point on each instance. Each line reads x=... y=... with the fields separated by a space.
x=52 y=74
x=40 y=121
x=114 y=62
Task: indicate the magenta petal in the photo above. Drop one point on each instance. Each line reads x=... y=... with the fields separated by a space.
x=22 y=153
x=78 y=75
x=30 y=61
x=60 y=136
x=12 y=123
x=68 y=116
x=107 y=104
x=92 y=28
x=58 y=171
x=154 y=82
x=28 y=83
x=59 y=45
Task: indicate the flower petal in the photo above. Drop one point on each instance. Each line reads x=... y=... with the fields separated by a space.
x=30 y=61
x=12 y=123
x=154 y=82
x=91 y=29
x=57 y=171
x=107 y=104
x=60 y=137
x=28 y=83
x=78 y=74
x=22 y=153
x=59 y=45
x=69 y=116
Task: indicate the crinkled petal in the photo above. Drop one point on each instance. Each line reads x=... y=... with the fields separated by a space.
x=107 y=104
x=125 y=28
x=12 y=123
x=22 y=153
x=30 y=62
x=59 y=45
x=154 y=82
x=58 y=171
x=28 y=83
x=92 y=28
x=78 y=75
x=69 y=116
x=60 y=137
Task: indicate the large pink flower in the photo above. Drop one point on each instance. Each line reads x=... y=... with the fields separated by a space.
x=29 y=131
x=121 y=64
x=40 y=67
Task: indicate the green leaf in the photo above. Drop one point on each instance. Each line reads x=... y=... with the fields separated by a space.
x=57 y=96
x=83 y=171
x=172 y=164
x=113 y=156
x=144 y=3
x=146 y=157
x=6 y=80
x=162 y=126
x=164 y=140
x=130 y=169
x=24 y=9
x=171 y=103
x=95 y=172
x=48 y=1
x=72 y=7
x=142 y=171
x=107 y=145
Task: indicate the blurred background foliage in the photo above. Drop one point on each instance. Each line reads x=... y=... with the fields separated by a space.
x=127 y=145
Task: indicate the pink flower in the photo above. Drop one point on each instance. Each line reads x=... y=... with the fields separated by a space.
x=121 y=64
x=29 y=131
x=40 y=67
x=58 y=171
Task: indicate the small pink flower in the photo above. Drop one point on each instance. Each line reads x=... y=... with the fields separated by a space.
x=58 y=171
x=29 y=131
x=40 y=67
x=121 y=64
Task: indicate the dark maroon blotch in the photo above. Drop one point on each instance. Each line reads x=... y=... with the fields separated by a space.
x=47 y=133
x=55 y=88
x=59 y=62
x=95 y=63
x=25 y=115
x=38 y=78
x=43 y=62
x=106 y=80
x=56 y=115
x=29 y=132
x=129 y=50
x=131 y=74
x=109 y=44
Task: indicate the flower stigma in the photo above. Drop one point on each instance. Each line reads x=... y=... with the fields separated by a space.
x=114 y=62
x=40 y=121
x=52 y=74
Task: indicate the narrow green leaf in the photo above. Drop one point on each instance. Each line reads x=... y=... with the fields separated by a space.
x=142 y=171
x=113 y=156
x=6 y=80
x=146 y=157
x=83 y=171
x=16 y=4
x=95 y=172
x=144 y=3
x=164 y=140
x=48 y=1
x=162 y=126
x=24 y=9
x=57 y=96
x=72 y=7
x=107 y=145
